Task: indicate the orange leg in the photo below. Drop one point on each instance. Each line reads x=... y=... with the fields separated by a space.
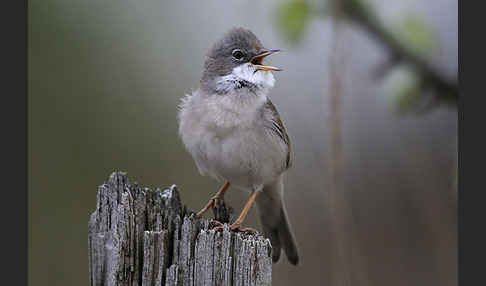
x=244 y=212
x=219 y=196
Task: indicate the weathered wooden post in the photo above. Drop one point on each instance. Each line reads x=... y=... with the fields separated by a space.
x=139 y=236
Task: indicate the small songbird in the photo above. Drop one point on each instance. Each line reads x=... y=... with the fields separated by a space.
x=236 y=136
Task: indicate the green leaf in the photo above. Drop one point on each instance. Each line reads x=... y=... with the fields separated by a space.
x=292 y=19
x=414 y=32
x=403 y=89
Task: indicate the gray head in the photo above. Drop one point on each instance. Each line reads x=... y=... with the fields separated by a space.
x=235 y=62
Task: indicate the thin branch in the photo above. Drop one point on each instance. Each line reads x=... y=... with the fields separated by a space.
x=360 y=13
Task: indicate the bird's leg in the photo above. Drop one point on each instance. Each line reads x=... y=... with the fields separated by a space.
x=237 y=223
x=213 y=201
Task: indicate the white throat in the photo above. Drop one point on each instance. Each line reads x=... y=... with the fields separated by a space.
x=246 y=78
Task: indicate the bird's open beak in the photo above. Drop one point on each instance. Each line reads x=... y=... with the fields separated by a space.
x=257 y=61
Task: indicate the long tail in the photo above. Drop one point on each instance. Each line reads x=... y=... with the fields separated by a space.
x=275 y=223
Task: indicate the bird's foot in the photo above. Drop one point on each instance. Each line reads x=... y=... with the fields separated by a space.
x=234 y=227
x=218 y=226
x=238 y=227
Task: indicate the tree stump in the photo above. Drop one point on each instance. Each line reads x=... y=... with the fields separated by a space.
x=138 y=236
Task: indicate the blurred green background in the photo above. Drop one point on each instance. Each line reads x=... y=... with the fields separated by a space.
x=372 y=192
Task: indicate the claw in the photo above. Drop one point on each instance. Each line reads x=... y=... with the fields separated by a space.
x=237 y=227
x=219 y=226
x=217 y=223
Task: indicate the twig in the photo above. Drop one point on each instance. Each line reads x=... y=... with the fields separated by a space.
x=360 y=13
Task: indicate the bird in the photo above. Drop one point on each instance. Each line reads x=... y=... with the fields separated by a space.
x=236 y=136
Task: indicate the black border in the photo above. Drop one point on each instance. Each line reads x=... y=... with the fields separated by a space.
x=13 y=212
x=471 y=188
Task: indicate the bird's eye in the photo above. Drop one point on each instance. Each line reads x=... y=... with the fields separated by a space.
x=238 y=54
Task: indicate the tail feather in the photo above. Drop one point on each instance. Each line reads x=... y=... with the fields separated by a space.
x=272 y=234
x=275 y=223
x=287 y=238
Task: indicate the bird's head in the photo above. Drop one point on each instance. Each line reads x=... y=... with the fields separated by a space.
x=235 y=62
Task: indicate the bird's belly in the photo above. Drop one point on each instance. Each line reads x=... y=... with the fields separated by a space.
x=245 y=157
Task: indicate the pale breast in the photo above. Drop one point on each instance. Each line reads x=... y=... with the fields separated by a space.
x=229 y=141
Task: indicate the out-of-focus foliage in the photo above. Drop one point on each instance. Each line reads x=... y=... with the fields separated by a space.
x=404 y=84
x=292 y=19
x=410 y=30
x=403 y=88
x=414 y=32
x=293 y=16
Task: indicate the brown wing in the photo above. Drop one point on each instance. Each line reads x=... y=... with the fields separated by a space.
x=279 y=128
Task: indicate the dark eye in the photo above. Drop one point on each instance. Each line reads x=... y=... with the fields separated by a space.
x=238 y=54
